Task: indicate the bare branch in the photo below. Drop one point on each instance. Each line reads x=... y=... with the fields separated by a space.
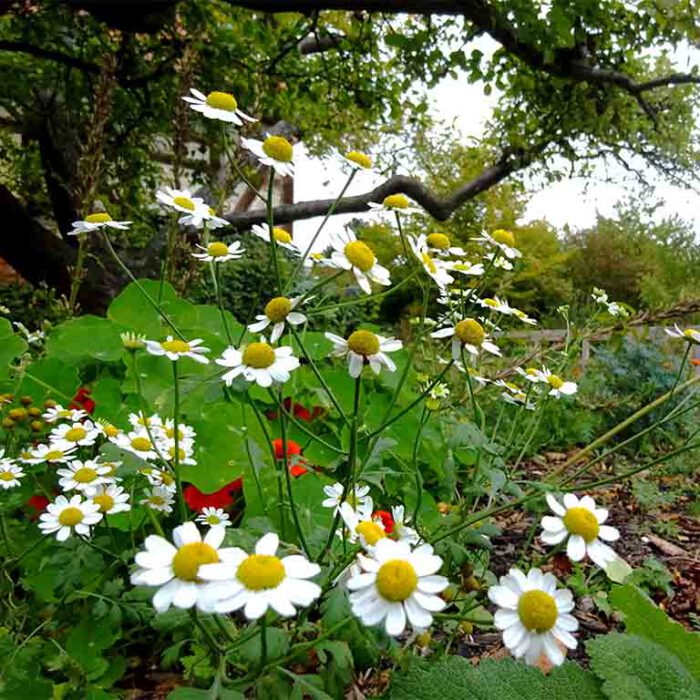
x=439 y=207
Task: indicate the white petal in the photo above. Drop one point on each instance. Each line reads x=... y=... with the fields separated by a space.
x=600 y=553
x=355 y=363
x=301 y=592
x=552 y=650
x=505 y=618
x=570 y=501
x=395 y=620
x=267 y=544
x=163 y=597
x=417 y=616
x=256 y=607
x=566 y=638
x=514 y=635
x=429 y=602
x=186 y=534
x=587 y=502
x=567 y=622
x=601 y=515
x=361 y=581
x=553 y=537
x=553 y=524
x=152 y=577
x=576 y=548
x=609 y=533
x=432 y=584
x=298 y=566
x=503 y=596
x=185 y=595
x=215 y=536
x=564 y=599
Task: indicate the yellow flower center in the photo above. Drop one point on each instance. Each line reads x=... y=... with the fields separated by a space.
x=52 y=455
x=470 y=332
x=259 y=356
x=217 y=249
x=76 y=434
x=175 y=346
x=85 y=475
x=190 y=557
x=363 y=343
x=439 y=241
x=112 y=468
x=555 y=381
x=281 y=236
x=396 y=580
x=278 y=309
x=70 y=516
x=429 y=264
x=502 y=236
x=141 y=444
x=156 y=500
x=104 y=501
x=170 y=432
x=396 y=201
x=184 y=202
x=361 y=159
x=165 y=478
x=371 y=531
x=690 y=333
x=491 y=302
x=99 y=218
x=222 y=100
x=111 y=431
x=260 y=571
x=537 y=611
x=278 y=148
x=213 y=519
x=6 y=476
x=531 y=372
x=581 y=521
x=181 y=455
x=360 y=255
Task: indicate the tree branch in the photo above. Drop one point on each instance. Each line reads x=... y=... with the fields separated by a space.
x=438 y=207
x=49 y=54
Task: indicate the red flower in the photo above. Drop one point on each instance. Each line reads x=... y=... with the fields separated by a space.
x=293 y=450
x=386 y=518
x=300 y=412
x=82 y=400
x=224 y=497
x=37 y=504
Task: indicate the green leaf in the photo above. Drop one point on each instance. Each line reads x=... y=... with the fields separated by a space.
x=645 y=619
x=50 y=377
x=455 y=679
x=86 y=337
x=634 y=668
x=11 y=345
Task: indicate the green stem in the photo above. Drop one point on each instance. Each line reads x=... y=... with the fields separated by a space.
x=329 y=213
x=270 y=225
x=139 y=286
x=219 y=301
x=176 y=440
x=155 y=521
x=680 y=370
x=263 y=642
x=288 y=476
x=535 y=425
x=77 y=272
x=419 y=479
x=319 y=285
x=211 y=642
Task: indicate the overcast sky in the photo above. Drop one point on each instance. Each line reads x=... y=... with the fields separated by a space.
x=575 y=202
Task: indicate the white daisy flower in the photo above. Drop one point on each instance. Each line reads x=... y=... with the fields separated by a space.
x=532 y=374
x=436 y=269
x=503 y=240
x=57 y=413
x=68 y=435
x=534 y=615
x=358 y=160
x=559 y=386
x=258 y=362
x=218 y=105
x=496 y=304
x=256 y=582
x=220 y=252
x=107 y=429
x=111 y=499
x=501 y=262
x=361 y=525
x=175 y=569
x=465 y=267
x=94 y=222
x=522 y=316
x=132 y=341
x=136 y=441
x=51 y=453
x=440 y=244
x=274 y=151
x=213 y=517
x=518 y=398
x=401 y=530
x=166 y=447
x=470 y=334
x=160 y=478
x=277 y=312
x=365 y=347
x=356 y=256
x=358 y=500
x=394 y=202
x=185 y=432
x=138 y=421
x=182 y=201
x=582 y=523
x=10 y=474
x=84 y=476
x=65 y=517
x=688 y=334
x=282 y=237
x=397 y=584
x=174 y=349
x=159 y=499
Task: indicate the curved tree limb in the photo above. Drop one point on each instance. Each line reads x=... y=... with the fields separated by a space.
x=437 y=206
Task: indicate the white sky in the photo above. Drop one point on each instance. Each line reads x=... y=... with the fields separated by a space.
x=575 y=202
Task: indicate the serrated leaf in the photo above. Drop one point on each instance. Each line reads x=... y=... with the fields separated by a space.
x=634 y=668
x=455 y=679
x=645 y=619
